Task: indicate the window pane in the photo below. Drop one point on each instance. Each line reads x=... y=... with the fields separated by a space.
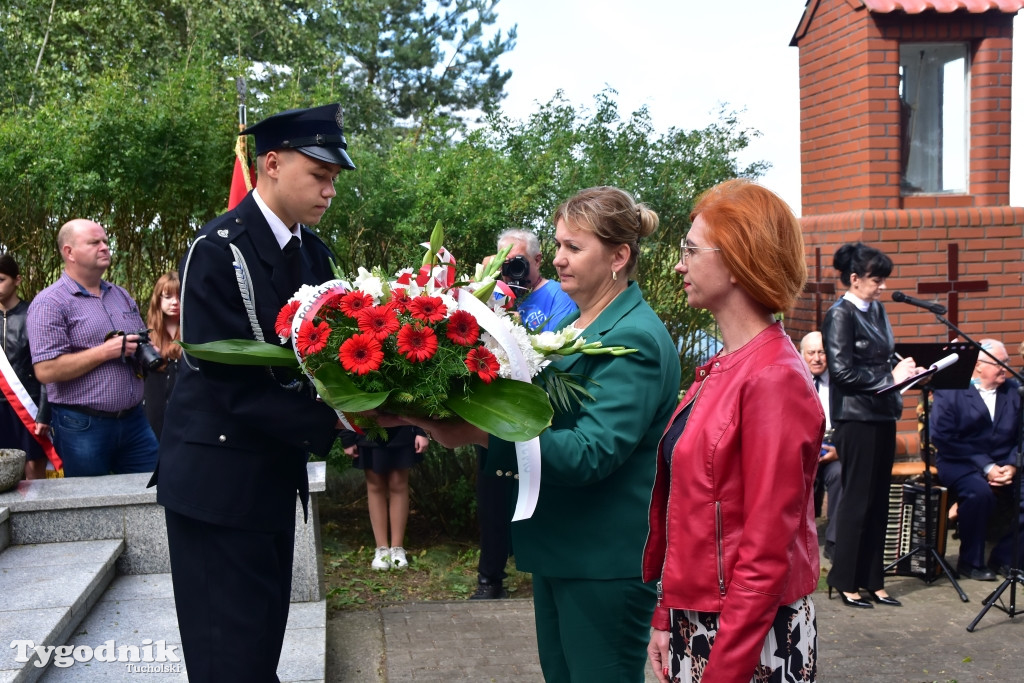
x=933 y=98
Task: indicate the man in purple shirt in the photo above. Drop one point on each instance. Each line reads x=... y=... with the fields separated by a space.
x=83 y=334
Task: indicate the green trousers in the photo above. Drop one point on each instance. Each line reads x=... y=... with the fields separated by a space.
x=593 y=630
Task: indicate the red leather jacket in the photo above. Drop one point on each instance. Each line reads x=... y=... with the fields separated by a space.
x=732 y=527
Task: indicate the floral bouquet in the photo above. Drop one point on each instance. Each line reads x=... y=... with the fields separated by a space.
x=421 y=343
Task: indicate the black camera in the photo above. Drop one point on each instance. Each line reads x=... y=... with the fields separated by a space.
x=146 y=354
x=516 y=272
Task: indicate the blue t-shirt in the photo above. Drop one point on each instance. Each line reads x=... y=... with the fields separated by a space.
x=544 y=308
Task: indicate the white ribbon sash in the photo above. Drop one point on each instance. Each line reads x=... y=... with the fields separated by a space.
x=527 y=452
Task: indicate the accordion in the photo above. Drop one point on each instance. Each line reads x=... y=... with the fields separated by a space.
x=905 y=530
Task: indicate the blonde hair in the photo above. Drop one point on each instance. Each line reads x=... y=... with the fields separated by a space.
x=155 y=318
x=760 y=240
x=613 y=216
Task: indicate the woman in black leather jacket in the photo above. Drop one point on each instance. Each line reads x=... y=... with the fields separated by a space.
x=859 y=345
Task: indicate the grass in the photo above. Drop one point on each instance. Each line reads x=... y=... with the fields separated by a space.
x=441 y=567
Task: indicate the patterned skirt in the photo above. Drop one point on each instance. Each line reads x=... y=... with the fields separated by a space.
x=790 y=649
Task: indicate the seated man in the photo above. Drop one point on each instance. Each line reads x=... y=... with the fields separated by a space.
x=974 y=431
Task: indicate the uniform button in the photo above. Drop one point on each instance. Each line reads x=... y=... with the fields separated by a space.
x=222 y=438
x=717 y=364
x=499 y=472
x=238 y=220
x=509 y=473
x=702 y=373
x=517 y=476
x=305 y=443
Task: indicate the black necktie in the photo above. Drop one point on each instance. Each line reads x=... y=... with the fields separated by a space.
x=293 y=263
x=817 y=383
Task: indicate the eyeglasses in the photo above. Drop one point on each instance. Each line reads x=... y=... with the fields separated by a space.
x=686 y=251
x=988 y=362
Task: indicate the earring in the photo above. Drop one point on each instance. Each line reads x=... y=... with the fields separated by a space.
x=615 y=276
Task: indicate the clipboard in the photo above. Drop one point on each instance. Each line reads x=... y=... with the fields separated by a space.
x=956 y=376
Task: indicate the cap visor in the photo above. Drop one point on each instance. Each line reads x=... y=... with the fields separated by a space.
x=332 y=155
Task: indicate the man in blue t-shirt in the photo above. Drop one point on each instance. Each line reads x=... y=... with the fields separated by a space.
x=541 y=305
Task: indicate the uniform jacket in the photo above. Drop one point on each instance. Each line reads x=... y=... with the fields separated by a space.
x=966 y=438
x=15 y=345
x=732 y=525
x=859 y=347
x=234 y=445
x=597 y=462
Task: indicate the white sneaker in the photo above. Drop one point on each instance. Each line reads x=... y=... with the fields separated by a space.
x=398 y=558
x=381 y=559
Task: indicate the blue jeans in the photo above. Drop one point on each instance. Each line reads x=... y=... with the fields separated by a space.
x=93 y=446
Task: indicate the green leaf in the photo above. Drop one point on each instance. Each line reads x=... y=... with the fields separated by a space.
x=507 y=408
x=338 y=391
x=243 y=352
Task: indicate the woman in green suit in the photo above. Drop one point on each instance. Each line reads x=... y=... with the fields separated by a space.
x=583 y=544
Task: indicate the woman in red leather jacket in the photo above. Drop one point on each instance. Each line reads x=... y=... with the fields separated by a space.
x=732 y=541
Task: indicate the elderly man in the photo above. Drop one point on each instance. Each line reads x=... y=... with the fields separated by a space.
x=236 y=440
x=83 y=334
x=541 y=303
x=974 y=431
x=830 y=472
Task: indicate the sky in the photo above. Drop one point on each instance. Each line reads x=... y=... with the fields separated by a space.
x=683 y=59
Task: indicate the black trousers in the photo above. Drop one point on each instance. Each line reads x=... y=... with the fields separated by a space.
x=866 y=451
x=232 y=590
x=492 y=509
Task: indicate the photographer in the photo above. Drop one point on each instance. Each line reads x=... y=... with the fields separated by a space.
x=542 y=305
x=84 y=335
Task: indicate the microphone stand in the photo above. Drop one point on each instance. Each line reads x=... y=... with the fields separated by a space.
x=1014 y=574
x=927 y=544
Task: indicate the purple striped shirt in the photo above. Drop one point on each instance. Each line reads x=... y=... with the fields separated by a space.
x=65 y=318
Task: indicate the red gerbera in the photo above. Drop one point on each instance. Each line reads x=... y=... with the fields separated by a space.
x=312 y=338
x=378 y=322
x=283 y=324
x=481 y=361
x=417 y=343
x=353 y=302
x=463 y=328
x=400 y=299
x=428 y=308
x=360 y=354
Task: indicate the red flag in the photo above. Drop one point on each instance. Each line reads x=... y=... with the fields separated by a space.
x=241 y=180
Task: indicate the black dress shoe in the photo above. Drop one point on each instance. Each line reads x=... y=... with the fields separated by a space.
x=886 y=600
x=851 y=602
x=489 y=591
x=1000 y=569
x=976 y=573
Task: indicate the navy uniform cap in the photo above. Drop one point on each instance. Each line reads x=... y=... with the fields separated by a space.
x=315 y=132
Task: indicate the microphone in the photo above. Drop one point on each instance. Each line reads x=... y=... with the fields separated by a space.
x=937 y=309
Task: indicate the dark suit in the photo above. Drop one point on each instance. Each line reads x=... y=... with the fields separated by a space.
x=967 y=439
x=233 y=455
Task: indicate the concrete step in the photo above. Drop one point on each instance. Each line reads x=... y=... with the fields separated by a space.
x=138 y=612
x=46 y=590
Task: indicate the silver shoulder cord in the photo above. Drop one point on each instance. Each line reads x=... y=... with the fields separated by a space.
x=244 y=288
x=181 y=320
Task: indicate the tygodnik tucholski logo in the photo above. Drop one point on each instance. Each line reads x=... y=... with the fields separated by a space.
x=149 y=657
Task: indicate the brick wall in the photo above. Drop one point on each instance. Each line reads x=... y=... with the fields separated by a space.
x=850 y=110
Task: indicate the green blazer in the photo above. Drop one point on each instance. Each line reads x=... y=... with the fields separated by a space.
x=598 y=462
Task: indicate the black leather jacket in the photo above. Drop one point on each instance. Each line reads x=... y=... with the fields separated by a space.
x=14 y=339
x=859 y=348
